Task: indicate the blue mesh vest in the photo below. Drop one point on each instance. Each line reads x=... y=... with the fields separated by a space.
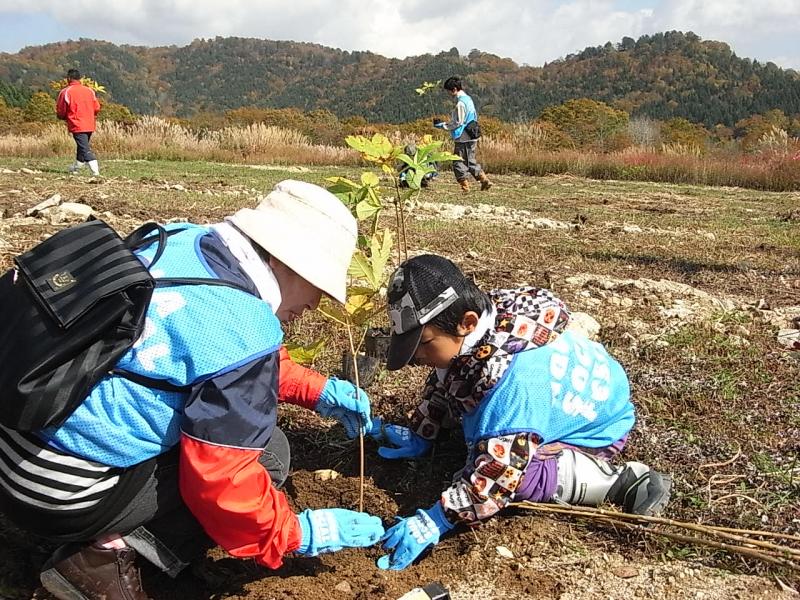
x=470 y=115
x=570 y=390
x=192 y=333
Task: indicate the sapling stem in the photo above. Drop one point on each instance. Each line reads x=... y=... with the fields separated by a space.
x=354 y=357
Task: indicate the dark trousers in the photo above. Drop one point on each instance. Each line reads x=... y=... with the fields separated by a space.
x=468 y=164
x=83 y=141
x=159 y=526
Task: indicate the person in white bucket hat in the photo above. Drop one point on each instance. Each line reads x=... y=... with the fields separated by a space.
x=178 y=448
x=306 y=228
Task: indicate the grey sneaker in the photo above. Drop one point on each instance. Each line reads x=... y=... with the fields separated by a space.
x=641 y=491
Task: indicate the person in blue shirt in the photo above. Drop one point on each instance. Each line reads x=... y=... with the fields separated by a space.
x=463 y=128
x=178 y=448
x=543 y=408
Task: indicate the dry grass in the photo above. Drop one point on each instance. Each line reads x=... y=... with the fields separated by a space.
x=765 y=171
x=774 y=165
x=156 y=138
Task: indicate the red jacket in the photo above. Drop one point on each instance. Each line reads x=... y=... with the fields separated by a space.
x=77 y=105
x=225 y=486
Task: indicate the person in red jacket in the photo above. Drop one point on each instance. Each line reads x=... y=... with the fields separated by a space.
x=77 y=105
x=138 y=471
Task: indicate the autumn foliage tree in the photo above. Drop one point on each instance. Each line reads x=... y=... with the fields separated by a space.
x=752 y=129
x=113 y=111
x=682 y=132
x=10 y=117
x=588 y=123
x=41 y=108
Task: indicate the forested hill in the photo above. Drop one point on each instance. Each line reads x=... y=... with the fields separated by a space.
x=663 y=75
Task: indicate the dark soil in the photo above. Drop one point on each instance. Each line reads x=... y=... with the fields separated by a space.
x=721 y=419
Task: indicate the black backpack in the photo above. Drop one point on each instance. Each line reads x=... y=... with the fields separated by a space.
x=473 y=130
x=71 y=307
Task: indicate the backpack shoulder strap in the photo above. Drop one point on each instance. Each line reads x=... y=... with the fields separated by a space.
x=167 y=281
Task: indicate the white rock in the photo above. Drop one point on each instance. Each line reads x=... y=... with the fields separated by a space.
x=789 y=338
x=52 y=201
x=585 y=324
x=326 y=474
x=343 y=587
x=543 y=223
x=70 y=211
x=504 y=552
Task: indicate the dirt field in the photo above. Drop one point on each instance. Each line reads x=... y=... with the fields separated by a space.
x=696 y=291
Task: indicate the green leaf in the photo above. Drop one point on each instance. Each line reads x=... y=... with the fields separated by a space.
x=378 y=149
x=381 y=250
x=344 y=189
x=359 y=306
x=368 y=178
x=367 y=210
x=382 y=145
x=361 y=268
x=407 y=160
x=371 y=268
x=334 y=312
x=306 y=354
x=443 y=157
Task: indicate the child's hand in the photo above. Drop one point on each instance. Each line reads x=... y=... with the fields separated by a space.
x=409 y=444
x=409 y=538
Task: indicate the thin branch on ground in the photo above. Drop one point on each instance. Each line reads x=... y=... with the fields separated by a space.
x=736 y=541
x=722 y=464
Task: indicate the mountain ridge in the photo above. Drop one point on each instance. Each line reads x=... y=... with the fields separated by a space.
x=664 y=75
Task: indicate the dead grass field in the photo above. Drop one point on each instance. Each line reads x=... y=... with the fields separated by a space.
x=690 y=286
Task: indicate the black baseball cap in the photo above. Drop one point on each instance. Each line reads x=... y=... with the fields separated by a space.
x=420 y=289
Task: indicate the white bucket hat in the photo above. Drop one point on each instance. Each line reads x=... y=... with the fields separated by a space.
x=306 y=228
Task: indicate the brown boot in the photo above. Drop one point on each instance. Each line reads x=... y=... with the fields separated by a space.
x=485 y=183
x=464 y=185
x=92 y=573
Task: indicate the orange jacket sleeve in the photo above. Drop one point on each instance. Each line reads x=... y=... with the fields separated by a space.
x=232 y=496
x=299 y=385
x=227 y=422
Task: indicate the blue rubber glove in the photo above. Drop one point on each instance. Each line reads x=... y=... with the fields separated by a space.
x=331 y=529
x=409 y=444
x=409 y=538
x=347 y=404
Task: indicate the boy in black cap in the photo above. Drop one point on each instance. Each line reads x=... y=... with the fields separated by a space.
x=542 y=408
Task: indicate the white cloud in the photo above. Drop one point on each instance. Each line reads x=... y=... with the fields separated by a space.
x=532 y=31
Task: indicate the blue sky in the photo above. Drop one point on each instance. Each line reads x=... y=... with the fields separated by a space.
x=530 y=32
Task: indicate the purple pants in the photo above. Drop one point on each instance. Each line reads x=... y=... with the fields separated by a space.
x=541 y=475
